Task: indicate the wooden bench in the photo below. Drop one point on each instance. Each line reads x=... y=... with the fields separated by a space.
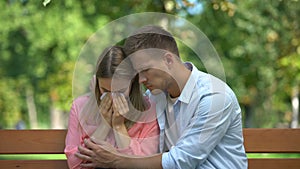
x=52 y=142
x=32 y=142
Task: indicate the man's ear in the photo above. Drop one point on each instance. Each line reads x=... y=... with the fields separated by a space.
x=168 y=58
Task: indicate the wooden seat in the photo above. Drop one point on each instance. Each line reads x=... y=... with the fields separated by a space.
x=33 y=142
x=53 y=142
x=272 y=141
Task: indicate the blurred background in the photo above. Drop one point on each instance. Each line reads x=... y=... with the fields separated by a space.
x=258 y=43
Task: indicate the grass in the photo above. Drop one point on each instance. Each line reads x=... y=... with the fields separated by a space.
x=273 y=155
x=63 y=157
x=33 y=157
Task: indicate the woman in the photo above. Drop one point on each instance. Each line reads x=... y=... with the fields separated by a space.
x=115 y=111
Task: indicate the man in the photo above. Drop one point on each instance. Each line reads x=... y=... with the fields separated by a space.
x=198 y=114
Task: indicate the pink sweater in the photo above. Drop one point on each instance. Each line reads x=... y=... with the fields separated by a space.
x=144 y=136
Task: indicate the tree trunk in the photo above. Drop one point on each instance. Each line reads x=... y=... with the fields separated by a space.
x=31 y=108
x=295 y=107
x=57 y=118
x=248 y=116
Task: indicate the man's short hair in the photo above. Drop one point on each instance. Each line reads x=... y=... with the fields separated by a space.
x=150 y=37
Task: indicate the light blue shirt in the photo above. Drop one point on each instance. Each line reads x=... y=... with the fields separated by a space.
x=209 y=125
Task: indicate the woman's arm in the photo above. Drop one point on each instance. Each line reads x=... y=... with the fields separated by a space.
x=73 y=138
x=120 y=108
x=105 y=110
x=121 y=136
x=101 y=132
x=142 y=138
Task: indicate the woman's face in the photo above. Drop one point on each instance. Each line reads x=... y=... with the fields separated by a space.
x=114 y=85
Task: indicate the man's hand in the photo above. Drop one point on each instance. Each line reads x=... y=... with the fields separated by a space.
x=102 y=155
x=105 y=156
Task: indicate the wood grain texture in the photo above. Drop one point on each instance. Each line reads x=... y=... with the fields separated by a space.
x=53 y=142
x=32 y=141
x=272 y=140
x=274 y=163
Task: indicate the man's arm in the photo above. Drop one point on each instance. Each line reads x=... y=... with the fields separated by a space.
x=140 y=162
x=104 y=155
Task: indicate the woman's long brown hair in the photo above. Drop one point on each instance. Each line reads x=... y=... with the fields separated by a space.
x=108 y=66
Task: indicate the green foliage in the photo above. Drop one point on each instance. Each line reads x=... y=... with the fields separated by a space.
x=257 y=41
x=10 y=112
x=40 y=43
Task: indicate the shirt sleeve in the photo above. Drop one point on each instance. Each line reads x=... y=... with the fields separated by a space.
x=143 y=142
x=73 y=139
x=204 y=131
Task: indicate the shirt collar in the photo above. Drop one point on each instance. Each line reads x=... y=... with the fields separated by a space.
x=186 y=93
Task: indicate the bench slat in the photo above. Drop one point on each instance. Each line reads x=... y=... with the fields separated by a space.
x=52 y=142
x=31 y=142
x=30 y=164
x=256 y=141
x=274 y=163
x=272 y=140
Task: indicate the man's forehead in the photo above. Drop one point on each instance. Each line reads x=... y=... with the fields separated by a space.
x=139 y=57
x=141 y=67
x=139 y=61
x=150 y=53
x=143 y=58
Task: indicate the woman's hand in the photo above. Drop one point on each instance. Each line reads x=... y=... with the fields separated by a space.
x=120 y=109
x=106 y=108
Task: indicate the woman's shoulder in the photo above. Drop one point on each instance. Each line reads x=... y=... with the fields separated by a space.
x=81 y=100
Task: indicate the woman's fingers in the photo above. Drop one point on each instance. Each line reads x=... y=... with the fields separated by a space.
x=123 y=99
x=106 y=109
x=120 y=103
x=106 y=102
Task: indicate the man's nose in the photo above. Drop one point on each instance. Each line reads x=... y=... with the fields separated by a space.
x=142 y=78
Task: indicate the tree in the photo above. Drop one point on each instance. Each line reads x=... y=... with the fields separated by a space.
x=39 y=47
x=254 y=47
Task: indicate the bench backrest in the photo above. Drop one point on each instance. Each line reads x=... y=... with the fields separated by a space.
x=272 y=141
x=52 y=142
x=33 y=142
